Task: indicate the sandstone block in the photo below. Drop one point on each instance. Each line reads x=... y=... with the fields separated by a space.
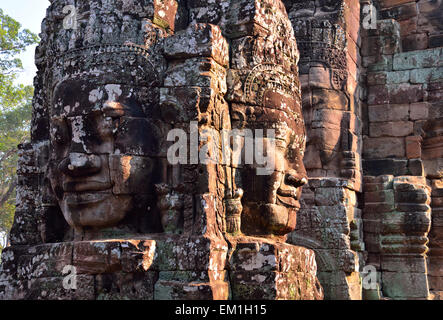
x=392 y=3
x=416 y=41
x=380 y=207
x=405 y=93
x=182 y=290
x=198 y=40
x=378 y=167
x=434 y=95
x=419 y=111
x=377 y=78
x=319 y=77
x=54 y=289
x=329 y=99
x=389 y=112
x=386 y=196
x=378 y=95
x=415 y=167
x=397 y=77
x=406 y=222
x=125 y=286
x=413 y=147
x=427 y=6
x=274 y=285
x=400 y=12
x=426 y=75
x=435 y=41
x=376 y=148
x=403 y=264
x=200 y=72
x=372 y=226
x=383 y=63
x=429 y=58
x=399 y=285
x=435 y=266
x=436 y=283
x=408 y=26
x=391 y=129
x=434 y=168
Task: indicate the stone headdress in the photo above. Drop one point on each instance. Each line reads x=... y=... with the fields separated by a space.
x=103 y=44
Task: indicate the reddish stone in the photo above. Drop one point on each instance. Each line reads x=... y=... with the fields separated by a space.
x=435 y=95
x=401 y=12
x=379 y=196
x=320 y=77
x=419 y=111
x=428 y=6
x=379 y=208
x=405 y=93
x=391 y=129
x=378 y=95
x=413 y=147
x=376 y=78
x=408 y=26
x=392 y=3
x=261 y=269
x=376 y=148
x=418 y=41
x=388 y=112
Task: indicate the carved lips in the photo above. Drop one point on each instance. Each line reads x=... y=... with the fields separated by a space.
x=289 y=197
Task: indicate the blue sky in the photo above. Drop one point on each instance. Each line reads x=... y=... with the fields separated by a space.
x=30 y=14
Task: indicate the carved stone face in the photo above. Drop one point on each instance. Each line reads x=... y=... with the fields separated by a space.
x=101 y=151
x=271 y=201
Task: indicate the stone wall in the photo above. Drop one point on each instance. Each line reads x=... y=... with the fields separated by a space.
x=403 y=62
x=164 y=230
x=372 y=105
x=420 y=22
x=397 y=220
x=331 y=224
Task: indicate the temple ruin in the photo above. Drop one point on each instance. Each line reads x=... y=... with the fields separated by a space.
x=233 y=149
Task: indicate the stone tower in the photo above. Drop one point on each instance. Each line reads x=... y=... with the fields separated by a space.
x=233 y=149
x=110 y=196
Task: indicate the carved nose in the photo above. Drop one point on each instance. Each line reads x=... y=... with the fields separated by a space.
x=295 y=180
x=80 y=164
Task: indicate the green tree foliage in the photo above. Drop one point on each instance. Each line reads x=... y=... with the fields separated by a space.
x=15 y=111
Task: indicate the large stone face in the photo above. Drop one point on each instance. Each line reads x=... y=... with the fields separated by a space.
x=112 y=202
x=216 y=150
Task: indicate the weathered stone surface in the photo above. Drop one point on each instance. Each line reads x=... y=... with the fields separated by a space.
x=265 y=270
x=418 y=59
x=136 y=224
x=376 y=148
x=207 y=41
x=97 y=189
x=396 y=113
x=413 y=147
x=403 y=285
x=385 y=166
x=391 y=129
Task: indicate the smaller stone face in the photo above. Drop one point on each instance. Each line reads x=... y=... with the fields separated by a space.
x=101 y=146
x=271 y=198
x=264 y=93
